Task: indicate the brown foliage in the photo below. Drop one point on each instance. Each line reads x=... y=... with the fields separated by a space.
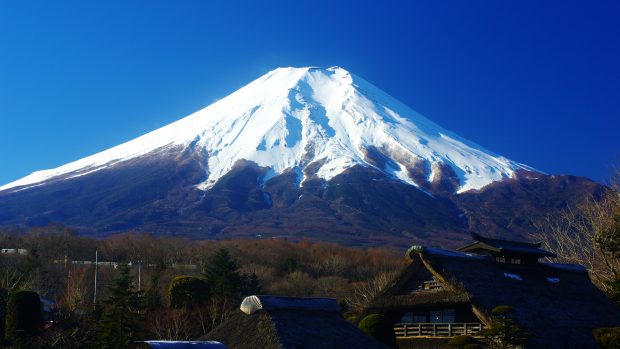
x=64 y=271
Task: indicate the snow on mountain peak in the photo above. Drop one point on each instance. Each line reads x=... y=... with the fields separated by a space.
x=291 y=118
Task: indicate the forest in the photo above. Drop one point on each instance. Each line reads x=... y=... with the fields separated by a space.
x=109 y=292
x=150 y=287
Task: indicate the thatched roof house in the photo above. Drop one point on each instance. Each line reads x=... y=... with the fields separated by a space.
x=445 y=293
x=273 y=322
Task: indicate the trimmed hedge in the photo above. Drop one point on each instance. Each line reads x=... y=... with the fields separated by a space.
x=186 y=291
x=23 y=315
x=4 y=297
x=379 y=327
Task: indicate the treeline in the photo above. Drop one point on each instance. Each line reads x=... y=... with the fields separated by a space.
x=151 y=272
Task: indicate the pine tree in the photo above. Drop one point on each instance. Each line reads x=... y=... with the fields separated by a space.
x=222 y=276
x=122 y=310
x=505 y=332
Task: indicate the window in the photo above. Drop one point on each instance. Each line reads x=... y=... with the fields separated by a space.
x=500 y=259
x=448 y=315
x=515 y=260
x=419 y=318
x=411 y=317
x=436 y=316
x=442 y=315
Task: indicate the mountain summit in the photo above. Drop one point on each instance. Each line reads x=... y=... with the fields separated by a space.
x=297 y=153
x=316 y=122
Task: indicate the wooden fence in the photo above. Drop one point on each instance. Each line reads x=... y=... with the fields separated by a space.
x=437 y=329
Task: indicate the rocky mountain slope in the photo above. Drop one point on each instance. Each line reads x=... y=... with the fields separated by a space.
x=298 y=153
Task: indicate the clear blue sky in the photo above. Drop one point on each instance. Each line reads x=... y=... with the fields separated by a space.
x=535 y=81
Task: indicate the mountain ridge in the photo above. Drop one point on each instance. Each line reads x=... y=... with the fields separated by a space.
x=293 y=117
x=297 y=153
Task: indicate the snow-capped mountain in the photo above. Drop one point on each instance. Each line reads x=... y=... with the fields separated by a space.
x=298 y=153
x=327 y=120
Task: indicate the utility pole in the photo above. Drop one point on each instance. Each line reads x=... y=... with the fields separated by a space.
x=139 y=275
x=96 y=267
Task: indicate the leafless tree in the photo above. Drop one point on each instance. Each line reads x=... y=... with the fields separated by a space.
x=364 y=292
x=588 y=234
x=172 y=324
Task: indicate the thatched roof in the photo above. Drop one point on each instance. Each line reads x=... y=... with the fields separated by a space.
x=482 y=243
x=291 y=324
x=163 y=344
x=556 y=303
x=252 y=304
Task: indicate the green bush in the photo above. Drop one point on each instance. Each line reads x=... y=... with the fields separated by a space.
x=23 y=315
x=186 y=291
x=462 y=341
x=379 y=327
x=607 y=338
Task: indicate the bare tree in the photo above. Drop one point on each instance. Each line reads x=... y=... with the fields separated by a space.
x=172 y=324
x=365 y=292
x=588 y=234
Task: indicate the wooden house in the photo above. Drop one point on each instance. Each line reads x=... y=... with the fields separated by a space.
x=441 y=294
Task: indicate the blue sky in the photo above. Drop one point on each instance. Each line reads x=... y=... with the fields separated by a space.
x=535 y=81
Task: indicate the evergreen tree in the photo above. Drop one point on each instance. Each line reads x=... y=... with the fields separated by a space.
x=222 y=276
x=505 y=332
x=122 y=310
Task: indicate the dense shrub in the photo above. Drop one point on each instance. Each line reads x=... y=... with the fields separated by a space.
x=186 y=291
x=23 y=315
x=379 y=327
x=607 y=338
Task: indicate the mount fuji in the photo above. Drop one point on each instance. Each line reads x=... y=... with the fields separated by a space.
x=297 y=153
